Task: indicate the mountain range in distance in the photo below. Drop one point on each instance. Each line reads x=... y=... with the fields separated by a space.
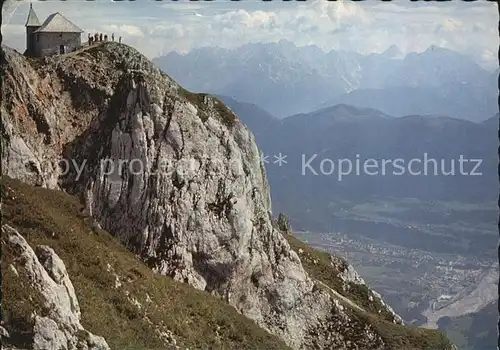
x=285 y=79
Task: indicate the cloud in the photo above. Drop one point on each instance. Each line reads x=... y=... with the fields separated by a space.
x=156 y=28
x=125 y=30
x=341 y=11
x=182 y=5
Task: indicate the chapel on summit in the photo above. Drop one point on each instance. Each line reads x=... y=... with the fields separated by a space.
x=57 y=35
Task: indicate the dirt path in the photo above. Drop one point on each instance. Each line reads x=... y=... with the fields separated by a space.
x=341 y=297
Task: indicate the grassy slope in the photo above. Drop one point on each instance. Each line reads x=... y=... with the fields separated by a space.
x=395 y=336
x=53 y=218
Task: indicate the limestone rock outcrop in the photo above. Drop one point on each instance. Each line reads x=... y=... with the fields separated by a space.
x=57 y=324
x=175 y=176
x=348 y=275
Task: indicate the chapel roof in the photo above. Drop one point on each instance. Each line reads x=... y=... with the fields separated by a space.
x=57 y=23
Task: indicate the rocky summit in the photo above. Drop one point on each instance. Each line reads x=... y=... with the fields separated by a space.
x=179 y=181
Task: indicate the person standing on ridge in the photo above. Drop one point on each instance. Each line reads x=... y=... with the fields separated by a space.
x=112 y=36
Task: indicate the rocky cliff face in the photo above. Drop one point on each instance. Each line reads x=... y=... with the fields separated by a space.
x=43 y=274
x=175 y=176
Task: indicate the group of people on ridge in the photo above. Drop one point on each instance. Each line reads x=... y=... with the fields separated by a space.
x=98 y=37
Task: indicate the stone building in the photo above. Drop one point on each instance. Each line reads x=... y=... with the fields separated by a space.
x=57 y=35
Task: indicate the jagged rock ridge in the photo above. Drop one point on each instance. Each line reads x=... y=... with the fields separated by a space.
x=192 y=198
x=45 y=275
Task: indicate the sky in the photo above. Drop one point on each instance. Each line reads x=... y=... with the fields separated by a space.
x=158 y=27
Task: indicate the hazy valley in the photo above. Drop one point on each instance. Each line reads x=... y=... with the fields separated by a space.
x=426 y=242
x=417 y=239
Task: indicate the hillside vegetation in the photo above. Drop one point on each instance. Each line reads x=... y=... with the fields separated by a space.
x=327 y=269
x=121 y=299
x=198 y=213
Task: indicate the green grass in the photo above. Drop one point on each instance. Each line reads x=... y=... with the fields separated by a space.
x=323 y=271
x=53 y=218
x=18 y=301
x=319 y=267
x=404 y=337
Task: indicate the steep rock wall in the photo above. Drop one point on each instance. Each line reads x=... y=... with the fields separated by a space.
x=175 y=176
